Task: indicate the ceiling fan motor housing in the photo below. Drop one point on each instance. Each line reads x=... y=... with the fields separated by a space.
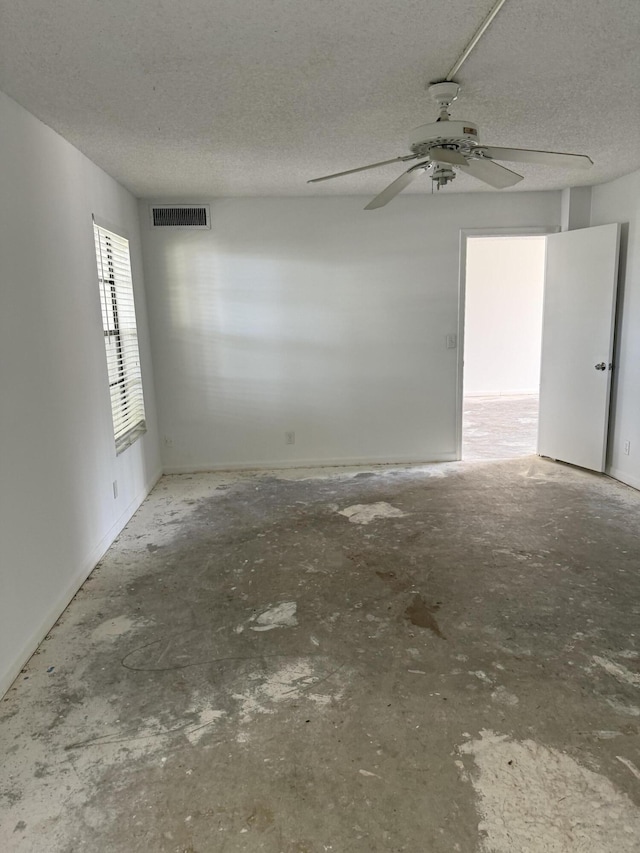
x=457 y=135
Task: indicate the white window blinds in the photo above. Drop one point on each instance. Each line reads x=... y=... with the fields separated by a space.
x=120 y=336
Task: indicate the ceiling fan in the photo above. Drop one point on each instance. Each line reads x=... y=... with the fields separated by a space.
x=445 y=145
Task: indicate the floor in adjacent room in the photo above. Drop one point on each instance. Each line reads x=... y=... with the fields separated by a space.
x=425 y=659
x=499 y=427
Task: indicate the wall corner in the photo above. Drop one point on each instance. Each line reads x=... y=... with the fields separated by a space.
x=575 y=211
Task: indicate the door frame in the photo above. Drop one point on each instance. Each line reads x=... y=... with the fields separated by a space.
x=466 y=234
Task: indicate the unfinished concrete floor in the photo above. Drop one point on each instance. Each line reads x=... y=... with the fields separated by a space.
x=434 y=659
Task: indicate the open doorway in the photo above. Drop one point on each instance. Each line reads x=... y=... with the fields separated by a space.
x=502 y=345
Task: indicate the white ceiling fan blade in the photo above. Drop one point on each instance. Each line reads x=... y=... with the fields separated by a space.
x=446 y=155
x=364 y=168
x=394 y=188
x=491 y=173
x=544 y=158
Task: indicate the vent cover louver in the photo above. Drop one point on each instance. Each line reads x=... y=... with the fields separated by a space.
x=180 y=216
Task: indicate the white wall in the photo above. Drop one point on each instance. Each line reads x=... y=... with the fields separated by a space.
x=315 y=316
x=619 y=201
x=575 y=208
x=57 y=458
x=503 y=315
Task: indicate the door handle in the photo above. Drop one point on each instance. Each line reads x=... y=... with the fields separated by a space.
x=601 y=366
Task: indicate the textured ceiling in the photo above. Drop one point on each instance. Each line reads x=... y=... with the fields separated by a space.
x=197 y=98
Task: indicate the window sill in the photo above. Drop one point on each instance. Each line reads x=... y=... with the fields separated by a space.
x=132 y=436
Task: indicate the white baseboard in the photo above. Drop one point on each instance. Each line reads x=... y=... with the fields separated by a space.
x=617 y=474
x=78 y=578
x=276 y=464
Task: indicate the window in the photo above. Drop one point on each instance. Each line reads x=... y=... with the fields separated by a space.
x=120 y=336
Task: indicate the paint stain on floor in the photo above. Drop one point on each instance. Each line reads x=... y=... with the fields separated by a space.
x=366 y=513
x=534 y=799
x=280 y=616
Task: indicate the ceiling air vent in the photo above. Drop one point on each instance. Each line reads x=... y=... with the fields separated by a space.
x=180 y=216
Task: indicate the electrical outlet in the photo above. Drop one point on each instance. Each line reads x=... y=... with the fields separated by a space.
x=115 y=489
x=627 y=448
x=290 y=437
x=168 y=441
x=452 y=341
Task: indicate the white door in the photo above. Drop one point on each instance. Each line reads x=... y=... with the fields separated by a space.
x=577 y=344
